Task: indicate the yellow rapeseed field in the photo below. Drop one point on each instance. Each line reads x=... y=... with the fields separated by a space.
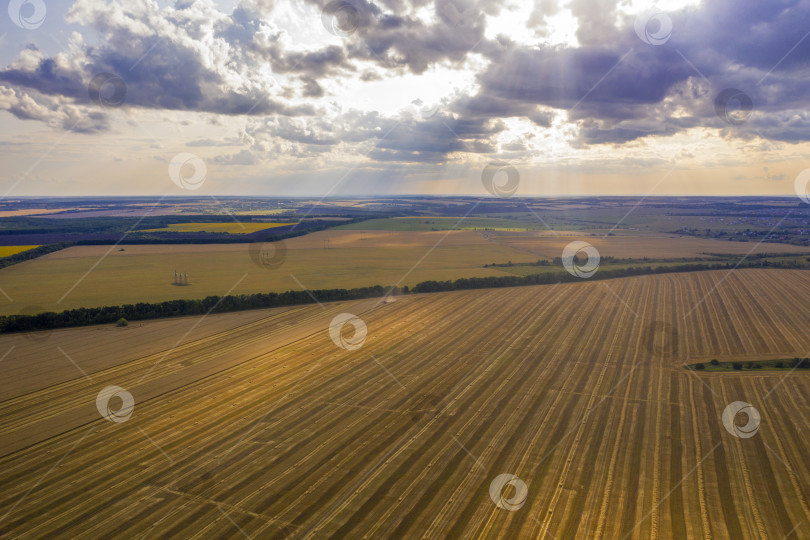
x=7 y=251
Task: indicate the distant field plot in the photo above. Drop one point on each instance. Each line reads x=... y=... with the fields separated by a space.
x=632 y=246
x=445 y=223
x=32 y=212
x=327 y=259
x=7 y=251
x=259 y=425
x=229 y=227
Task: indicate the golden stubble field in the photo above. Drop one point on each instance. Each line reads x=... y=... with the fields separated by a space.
x=90 y=276
x=259 y=424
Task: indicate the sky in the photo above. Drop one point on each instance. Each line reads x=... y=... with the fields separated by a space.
x=388 y=97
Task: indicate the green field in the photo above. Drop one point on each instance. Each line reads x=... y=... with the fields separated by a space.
x=229 y=227
x=144 y=273
x=445 y=223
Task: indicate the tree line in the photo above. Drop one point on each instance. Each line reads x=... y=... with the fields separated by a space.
x=563 y=276
x=178 y=308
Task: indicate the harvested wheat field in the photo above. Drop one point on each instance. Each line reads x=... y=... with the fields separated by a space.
x=266 y=425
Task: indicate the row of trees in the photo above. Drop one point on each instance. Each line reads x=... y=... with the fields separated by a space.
x=608 y=273
x=555 y=277
x=796 y=363
x=177 y=308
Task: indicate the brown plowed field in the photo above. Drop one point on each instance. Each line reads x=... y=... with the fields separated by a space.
x=257 y=424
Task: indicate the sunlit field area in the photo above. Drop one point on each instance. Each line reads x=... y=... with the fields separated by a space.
x=405 y=435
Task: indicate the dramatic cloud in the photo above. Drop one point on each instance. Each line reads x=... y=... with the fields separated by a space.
x=297 y=84
x=172 y=59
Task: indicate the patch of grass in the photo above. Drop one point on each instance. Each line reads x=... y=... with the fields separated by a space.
x=753 y=365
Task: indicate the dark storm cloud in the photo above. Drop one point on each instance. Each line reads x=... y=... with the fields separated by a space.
x=410 y=139
x=174 y=78
x=561 y=78
x=47 y=78
x=400 y=42
x=434 y=139
x=619 y=88
x=491 y=106
x=749 y=32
